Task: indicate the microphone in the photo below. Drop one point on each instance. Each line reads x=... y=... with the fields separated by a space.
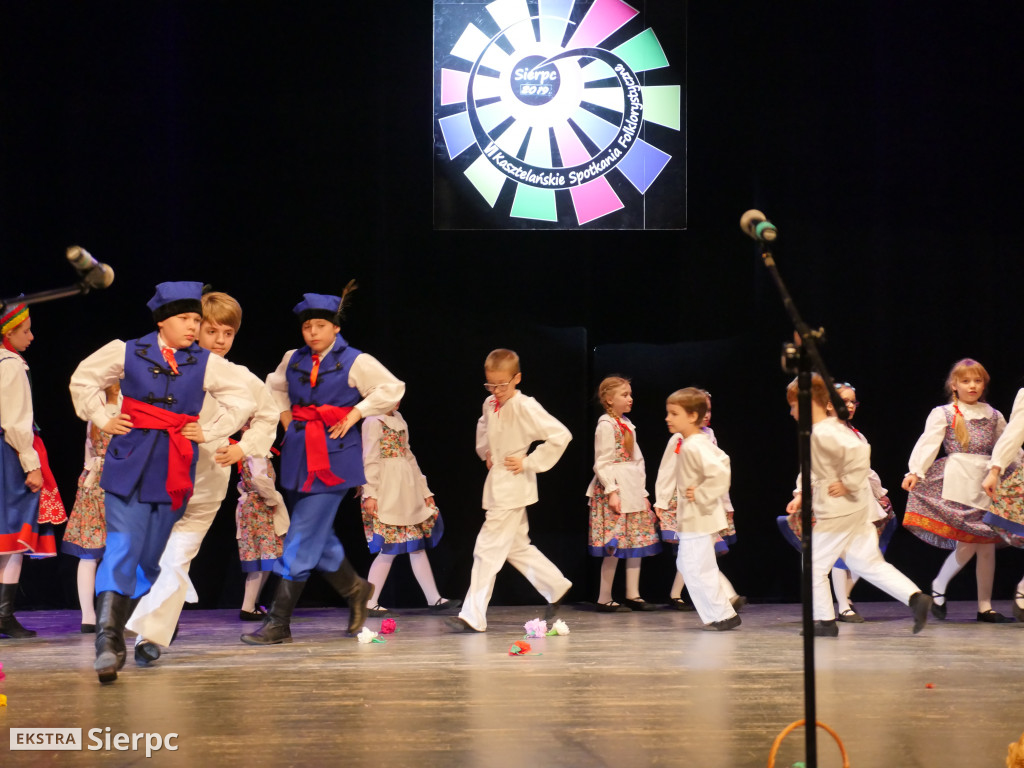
x=755 y=225
x=93 y=273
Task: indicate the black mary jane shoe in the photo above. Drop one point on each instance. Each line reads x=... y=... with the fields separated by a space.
x=992 y=616
x=639 y=604
x=850 y=616
x=257 y=615
x=938 y=610
x=445 y=606
x=88 y=629
x=678 y=604
x=611 y=607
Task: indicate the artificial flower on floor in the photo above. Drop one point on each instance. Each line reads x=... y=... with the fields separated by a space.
x=388 y=627
x=536 y=628
x=3 y=700
x=367 y=635
x=519 y=648
x=558 y=628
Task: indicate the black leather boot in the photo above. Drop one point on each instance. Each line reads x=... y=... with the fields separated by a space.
x=112 y=612
x=276 y=627
x=355 y=589
x=9 y=626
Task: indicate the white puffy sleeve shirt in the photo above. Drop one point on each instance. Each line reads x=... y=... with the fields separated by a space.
x=837 y=454
x=16 y=416
x=627 y=477
x=930 y=441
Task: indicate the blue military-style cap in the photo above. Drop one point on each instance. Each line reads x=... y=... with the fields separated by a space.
x=318 y=305
x=175 y=298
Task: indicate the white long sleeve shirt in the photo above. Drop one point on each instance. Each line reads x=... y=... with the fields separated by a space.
x=665 y=483
x=837 y=454
x=706 y=468
x=106 y=367
x=509 y=431
x=16 y=415
x=626 y=477
x=380 y=389
x=930 y=441
x=1007 y=447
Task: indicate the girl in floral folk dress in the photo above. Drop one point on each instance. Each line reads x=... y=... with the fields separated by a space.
x=622 y=523
x=947 y=504
x=86 y=534
x=262 y=521
x=399 y=513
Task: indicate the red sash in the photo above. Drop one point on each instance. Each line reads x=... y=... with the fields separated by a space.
x=51 y=508
x=318 y=463
x=179 y=455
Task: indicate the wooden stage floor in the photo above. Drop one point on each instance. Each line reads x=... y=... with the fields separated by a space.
x=621 y=690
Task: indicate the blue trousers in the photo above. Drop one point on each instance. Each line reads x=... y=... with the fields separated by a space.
x=137 y=533
x=311 y=543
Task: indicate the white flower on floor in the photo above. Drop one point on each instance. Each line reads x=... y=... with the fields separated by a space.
x=559 y=628
x=366 y=635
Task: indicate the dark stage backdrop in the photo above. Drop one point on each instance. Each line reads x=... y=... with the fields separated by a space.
x=273 y=148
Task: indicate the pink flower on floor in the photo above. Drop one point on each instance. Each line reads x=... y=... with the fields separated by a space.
x=536 y=628
x=387 y=626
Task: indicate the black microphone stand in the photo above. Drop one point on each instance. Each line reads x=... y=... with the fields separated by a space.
x=801 y=357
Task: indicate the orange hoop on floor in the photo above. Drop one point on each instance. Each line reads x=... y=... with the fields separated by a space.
x=792 y=727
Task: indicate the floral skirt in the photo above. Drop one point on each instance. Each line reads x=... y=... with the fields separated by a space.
x=259 y=546
x=86 y=533
x=1006 y=515
x=25 y=522
x=669 y=534
x=940 y=522
x=631 y=534
x=790 y=526
x=399 y=539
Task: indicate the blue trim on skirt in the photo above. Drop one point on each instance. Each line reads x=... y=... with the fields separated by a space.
x=376 y=544
x=69 y=548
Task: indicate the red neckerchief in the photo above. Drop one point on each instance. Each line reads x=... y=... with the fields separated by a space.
x=10 y=347
x=622 y=426
x=318 y=463
x=179 y=456
x=168 y=354
x=679 y=444
x=497 y=405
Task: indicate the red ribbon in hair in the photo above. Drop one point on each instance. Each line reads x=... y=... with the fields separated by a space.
x=318 y=463
x=179 y=455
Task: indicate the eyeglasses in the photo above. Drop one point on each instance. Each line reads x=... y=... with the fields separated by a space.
x=854 y=403
x=497 y=387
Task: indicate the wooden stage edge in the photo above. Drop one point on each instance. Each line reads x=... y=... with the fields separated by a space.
x=629 y=689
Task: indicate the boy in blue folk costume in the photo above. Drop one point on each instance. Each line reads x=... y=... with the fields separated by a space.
x=151 y=462
x=323 y=389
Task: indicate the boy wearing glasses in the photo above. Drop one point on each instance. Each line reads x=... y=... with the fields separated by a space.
x=510 y=423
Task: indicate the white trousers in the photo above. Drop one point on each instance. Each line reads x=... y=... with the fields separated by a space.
x=697 y=563
x=859 y=550
x=505 y=536
x=157 y=613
